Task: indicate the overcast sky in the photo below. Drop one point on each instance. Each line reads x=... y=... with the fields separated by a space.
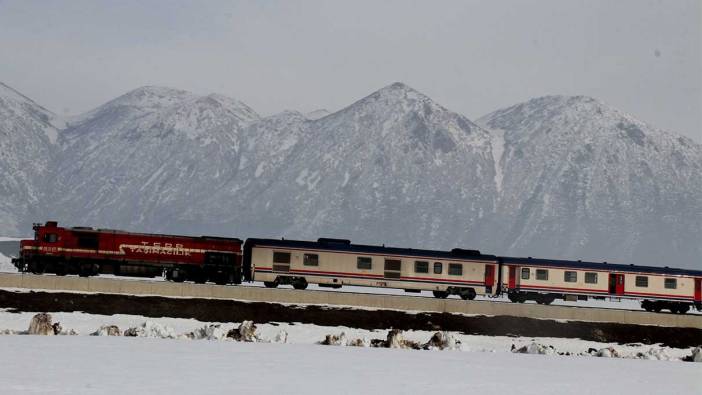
x=644 y=57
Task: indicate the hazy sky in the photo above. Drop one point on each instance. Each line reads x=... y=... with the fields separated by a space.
x=644 y=57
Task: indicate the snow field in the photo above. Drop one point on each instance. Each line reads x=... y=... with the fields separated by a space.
x=295 y=333
x=116 y=365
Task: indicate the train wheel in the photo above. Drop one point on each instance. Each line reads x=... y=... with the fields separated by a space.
x=468 y=294
x=300 y=284
x=270 y=284
x=84 y=270
x=222 y=278
x=37 y=267
x=515 y=298
x=441 y=294
x=684 y=309
x=177 y=275
x=546 y=300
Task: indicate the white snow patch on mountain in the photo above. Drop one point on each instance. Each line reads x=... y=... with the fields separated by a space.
x=317 y=114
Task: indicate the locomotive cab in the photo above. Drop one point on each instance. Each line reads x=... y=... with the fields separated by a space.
x=46 y=241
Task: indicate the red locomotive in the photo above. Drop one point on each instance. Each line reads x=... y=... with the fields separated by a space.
x=88 y=252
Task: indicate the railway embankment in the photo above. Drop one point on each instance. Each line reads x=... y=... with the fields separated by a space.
x=215 y=304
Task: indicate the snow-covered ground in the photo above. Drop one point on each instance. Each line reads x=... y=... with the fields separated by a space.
x=92 y=364
x=6 y=265
x=296 y=333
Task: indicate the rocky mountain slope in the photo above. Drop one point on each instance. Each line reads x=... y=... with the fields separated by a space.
x=394 y=167
x=146 y=158
x=27 y=134
x=564 y=177
x=582 y=179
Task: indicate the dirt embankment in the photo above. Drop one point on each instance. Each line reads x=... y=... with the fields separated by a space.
x=237 y=311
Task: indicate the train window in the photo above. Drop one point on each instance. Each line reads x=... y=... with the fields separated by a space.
x=88 y=241
x=393 y=264
x=50 y=238
x=364 y=262
x=310 y=260
x=590 y=278
x=570 y=277
x=421 y=267
x=525 y=273
x=642 y=281
x=455 y=269
x=671 y=283
x=541 y=274
x=281 y=257
x=438 y=268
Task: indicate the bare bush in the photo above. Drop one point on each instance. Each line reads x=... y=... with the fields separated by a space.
x=107 y=330
x=41 y=325
x=246 y=332
x=334 y=340
x=442 y=341
x=534 y=348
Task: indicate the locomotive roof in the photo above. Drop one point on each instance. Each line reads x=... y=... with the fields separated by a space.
x=600 y=266
x=346 y=246
x=87 y=229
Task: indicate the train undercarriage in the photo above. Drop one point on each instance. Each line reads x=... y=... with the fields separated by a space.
x=216 y=273
x=675 y=307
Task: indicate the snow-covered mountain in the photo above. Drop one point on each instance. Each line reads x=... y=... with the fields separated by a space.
x=27 y=135
x=146 y=158
x=317 y=114
x=556 y=176
x=580 y=179
x=394 y=167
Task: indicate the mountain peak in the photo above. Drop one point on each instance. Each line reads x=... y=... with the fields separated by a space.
x=151 y=97
x=395 y=99
x=399 y=89
x=575 y=113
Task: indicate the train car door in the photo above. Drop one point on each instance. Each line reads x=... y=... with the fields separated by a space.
x=512 y=284
x=616 y=284
x=489 y=278
x=698 y=290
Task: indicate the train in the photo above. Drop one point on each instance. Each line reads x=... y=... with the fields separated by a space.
x=334 y=263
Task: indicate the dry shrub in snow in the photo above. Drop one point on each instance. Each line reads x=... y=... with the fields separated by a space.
x=696 y=355
x=246 y=332
x=395 y=339
x=107 y=330
x=9 y=332
x=362 y=342
x=334 y=340
x=442 y=341
x=608 y=352
x=41 y=325
x=534 y=348
x=654 y=354
x=208 y=332
x=342 y=340
x=151 y=329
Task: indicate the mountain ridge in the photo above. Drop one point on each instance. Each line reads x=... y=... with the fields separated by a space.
x=555 y=176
